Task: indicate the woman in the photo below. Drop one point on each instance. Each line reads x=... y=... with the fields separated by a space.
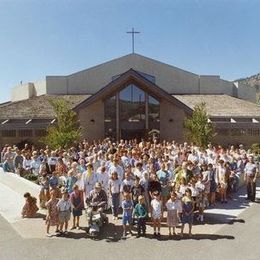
x=222 y=180
x=213 y=185
x=187 y=211
x=52 y=218
x=77 y=202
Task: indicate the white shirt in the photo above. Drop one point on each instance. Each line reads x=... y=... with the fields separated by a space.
x=64 y=205
x=114 y=185
x=156 y=208
x=172 y=205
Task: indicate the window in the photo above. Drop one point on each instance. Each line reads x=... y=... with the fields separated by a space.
x=137 y=113
x=8 y=133
x=132 y=106
x=153 y=113
x=222 y=131
x=238 y=132
x=255 y=132
x=25 y=133
x=40 y=132
x=110 y=117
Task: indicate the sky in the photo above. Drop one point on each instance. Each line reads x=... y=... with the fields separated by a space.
x=60 y=37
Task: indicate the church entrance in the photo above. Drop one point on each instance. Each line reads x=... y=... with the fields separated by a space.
x=131 y=113
x=127 y=134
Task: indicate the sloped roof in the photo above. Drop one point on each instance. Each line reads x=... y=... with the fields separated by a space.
x=222 y=105
x=132 y=77
x=36 y=107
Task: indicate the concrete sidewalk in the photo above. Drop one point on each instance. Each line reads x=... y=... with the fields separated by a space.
x=12 y=188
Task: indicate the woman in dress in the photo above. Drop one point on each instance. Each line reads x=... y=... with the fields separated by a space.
x=174 y=208
x=187 y=211
x=77 y=201
x=52 y=218
x=222 y=180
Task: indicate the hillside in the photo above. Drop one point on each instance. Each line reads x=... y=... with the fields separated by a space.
x=253 y=81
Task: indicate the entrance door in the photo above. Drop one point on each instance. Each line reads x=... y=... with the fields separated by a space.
x=129 y=134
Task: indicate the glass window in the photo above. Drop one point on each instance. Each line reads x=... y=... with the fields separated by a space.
x=40 y=132
x=110 y=117
x=222 y=131
x=135 y=109
x=132 y=107
x=153 y=113
x=25 y=133
x=8 y=133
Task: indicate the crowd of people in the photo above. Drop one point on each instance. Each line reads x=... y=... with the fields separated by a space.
x=139 y=180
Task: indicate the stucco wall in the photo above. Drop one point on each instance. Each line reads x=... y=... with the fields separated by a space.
x=170 y=78
x=246 y=92
x=40 y=87
x=171 y=122
x=92 y=130
x=57 y=85
x=22 y=92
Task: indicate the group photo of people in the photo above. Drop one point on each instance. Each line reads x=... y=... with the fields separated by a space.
x=132 y=184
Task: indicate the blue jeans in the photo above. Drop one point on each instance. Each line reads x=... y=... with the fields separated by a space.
x=115 y=203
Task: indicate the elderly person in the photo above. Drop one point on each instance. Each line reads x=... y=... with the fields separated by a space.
x=97 y=200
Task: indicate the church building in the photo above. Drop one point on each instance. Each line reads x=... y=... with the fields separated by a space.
x=133 y=97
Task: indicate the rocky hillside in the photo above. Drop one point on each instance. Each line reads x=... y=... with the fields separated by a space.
x=253 y=81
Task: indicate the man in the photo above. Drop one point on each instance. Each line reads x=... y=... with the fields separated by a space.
x=97 y=200
x=250 y=175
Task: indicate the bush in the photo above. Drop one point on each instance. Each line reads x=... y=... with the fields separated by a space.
x=30 y=177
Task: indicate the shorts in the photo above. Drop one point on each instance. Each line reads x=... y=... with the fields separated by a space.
x=127 y=219
x=64 y=216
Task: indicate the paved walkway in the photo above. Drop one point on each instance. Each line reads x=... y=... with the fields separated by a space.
x=12 y=188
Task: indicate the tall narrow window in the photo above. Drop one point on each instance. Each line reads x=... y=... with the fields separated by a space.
x=110 y=117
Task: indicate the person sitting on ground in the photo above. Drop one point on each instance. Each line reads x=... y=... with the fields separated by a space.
x=30 y=208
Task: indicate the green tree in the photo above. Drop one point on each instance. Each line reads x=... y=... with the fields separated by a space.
x=67 y=130
x=199 y=128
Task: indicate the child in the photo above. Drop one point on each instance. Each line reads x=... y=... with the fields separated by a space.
x=174 y=208
x=127 y=206
x=77 y=202
x=202 y=203
x=141 y=213
x=52 y=218
x=187 y=211
x=30 y=208
x=157 y=212
x=64 y=207
x=71 y=180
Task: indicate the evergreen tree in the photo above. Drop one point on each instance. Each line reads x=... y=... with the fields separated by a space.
x=199 y=128
x=67 y=131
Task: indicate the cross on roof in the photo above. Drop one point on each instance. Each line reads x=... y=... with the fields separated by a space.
x=133 y=32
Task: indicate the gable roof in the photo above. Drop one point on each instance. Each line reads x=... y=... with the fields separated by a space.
x=132 y=77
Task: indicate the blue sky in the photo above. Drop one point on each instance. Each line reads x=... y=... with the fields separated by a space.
x=59 y=37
